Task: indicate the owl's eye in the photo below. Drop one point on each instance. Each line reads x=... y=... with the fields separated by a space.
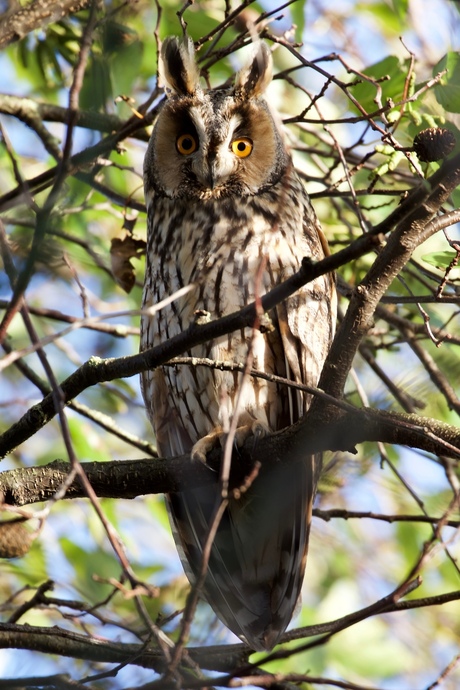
x=186 y=144
x=242 y=147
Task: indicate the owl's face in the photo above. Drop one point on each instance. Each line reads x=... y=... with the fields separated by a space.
x=217 y=143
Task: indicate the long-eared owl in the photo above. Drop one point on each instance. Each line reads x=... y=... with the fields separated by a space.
x=229 y=216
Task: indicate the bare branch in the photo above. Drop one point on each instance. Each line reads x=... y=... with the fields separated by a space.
x=223 y=658
x=336 y=429
x=413 y=227
x=36 y=15
x=34 y=114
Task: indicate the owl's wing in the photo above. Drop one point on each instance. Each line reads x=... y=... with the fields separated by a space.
x=171 y=437
x=257 y=562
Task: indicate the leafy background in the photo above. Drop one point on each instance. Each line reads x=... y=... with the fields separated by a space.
x=352 y=562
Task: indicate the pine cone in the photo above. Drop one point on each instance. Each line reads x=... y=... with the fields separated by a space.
x=434 y=143
x=15 y=539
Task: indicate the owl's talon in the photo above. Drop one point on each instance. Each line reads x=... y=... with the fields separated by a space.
x=256 y=429
x=205 y=446
x=201 y=316
x=218 y=437
x=197 y=454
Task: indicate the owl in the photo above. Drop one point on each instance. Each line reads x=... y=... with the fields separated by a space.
x=229 y=217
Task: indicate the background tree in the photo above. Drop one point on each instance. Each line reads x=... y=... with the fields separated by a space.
x=91 y=590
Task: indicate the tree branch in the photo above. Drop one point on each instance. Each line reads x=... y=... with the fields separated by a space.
x=30 y=112
x=413 y=227
x=78 y=162
x=337 y=429
x=223 y=658
x=35 y=16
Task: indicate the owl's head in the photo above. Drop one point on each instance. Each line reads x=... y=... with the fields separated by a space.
x=216 y=143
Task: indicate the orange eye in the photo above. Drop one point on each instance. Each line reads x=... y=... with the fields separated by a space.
x=242 y=147
x=186 y=144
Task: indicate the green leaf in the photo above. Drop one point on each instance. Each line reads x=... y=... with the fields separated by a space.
x=447 y=92
x=390 y=75
x=390 y=16
x=30 y=569
x=86 y=564
x=456 y=196
x=439 y=259
x=410 y=538
x=298 y=17
x=125 y=67
x=97 y=86
x=400 y=7
x=86 y=440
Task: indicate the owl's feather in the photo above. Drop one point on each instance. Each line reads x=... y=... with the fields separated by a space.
x=178 y=69
x=233 y=227
x=252 y=80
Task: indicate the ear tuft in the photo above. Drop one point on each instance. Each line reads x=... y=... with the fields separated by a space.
x=178 y=69
x=253 y=79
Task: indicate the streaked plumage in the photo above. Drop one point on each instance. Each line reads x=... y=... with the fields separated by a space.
x=234 y=225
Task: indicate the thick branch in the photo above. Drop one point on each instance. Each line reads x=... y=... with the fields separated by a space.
x=224 y=658
x=35 y=16
x=337 y=429
x=65 y=643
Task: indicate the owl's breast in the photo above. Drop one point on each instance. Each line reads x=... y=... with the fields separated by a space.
x=226 y=254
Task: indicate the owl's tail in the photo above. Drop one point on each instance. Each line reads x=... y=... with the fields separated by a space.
x=257 y=561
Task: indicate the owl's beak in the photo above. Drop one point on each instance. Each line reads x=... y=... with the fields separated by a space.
x=209 y=179
x=212 y=173
x=205 y=174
